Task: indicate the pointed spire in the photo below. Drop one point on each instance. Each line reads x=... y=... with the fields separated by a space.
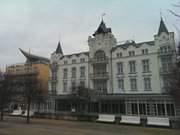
x=162 y=27
x=102 y=29
x=59 y=49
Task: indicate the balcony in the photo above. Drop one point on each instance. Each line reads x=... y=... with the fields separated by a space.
x=21 y=69
x=22 y=72
x=168 y=53
x=104 y=75
x=99 y=60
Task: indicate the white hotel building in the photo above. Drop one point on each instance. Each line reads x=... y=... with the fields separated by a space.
x=130 y=78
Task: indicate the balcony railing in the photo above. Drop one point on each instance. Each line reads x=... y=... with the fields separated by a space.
x=21 y=69
x=101 y=91
x=104 y=75
x=22 y=72
x=168 y=53
x=99 y=60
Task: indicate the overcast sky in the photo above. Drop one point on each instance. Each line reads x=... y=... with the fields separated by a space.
x=40 y=24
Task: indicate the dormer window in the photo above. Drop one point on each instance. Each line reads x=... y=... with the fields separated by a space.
x=82 y=60
x=119 y=55
x=131 y=53
x=65 y=62
x=73 y=61
x=144 y=51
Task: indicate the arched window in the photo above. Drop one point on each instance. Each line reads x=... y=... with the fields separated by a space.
x=99 y=55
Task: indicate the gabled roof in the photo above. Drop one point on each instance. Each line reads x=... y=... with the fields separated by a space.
x=162 y=27
x=102 y=29
x=133 y=43
x=75 y=54
x=33 y=58
x=59 y=49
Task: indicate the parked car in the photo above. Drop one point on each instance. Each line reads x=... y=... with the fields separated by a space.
x=31 y=113
x=16 y=113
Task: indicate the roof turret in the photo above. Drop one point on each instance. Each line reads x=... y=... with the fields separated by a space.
x=59 y=49
x=102 y=29
x=162 y=27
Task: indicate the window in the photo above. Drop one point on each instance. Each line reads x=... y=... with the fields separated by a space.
x=144 y=51
x=65 y=62
x=161 y=109
x=121 y=84
x=73 y=61
x=166 y=64
x=167 y=83
x=134 y=108
x=142 y=108
x=100 y=55
x=82 y=60
x=82 y=71
x=119 y=55
x=120 y=68
x=170 y=109
x=73 y=72
x=82 y=84
x=131 y=53
x=73 y=86
x=133 y=83
x=147 y=84
x=145 y=65
x=53 y=86
x=54 y=75
x=132 y=66
x=65 y=73
x=165 y=49
x=65 y=86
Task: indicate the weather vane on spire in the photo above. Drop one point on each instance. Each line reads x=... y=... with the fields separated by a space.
x=103 y=14
x=160 y=13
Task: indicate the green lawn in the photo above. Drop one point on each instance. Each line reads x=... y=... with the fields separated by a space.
x=61 y=127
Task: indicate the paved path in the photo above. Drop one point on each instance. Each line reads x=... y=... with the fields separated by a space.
x=16 y=126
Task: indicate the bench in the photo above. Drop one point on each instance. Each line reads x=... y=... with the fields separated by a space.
x=16 y=113
x=130 y=119
x=106 y=118
x=31 y=113
x=158 y=121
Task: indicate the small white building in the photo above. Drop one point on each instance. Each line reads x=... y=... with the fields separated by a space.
x=130 y=78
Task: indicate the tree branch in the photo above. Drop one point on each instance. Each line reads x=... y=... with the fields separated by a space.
x=172 y=12
x=176 y=5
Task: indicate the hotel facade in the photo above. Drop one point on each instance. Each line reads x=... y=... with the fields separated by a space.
x=128 y=79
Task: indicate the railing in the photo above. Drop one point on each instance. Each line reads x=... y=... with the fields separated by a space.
x=22 y=72
x=165 y=53
x=101 y=91
x=104 y=75
x=99 y=60
x=21 y=68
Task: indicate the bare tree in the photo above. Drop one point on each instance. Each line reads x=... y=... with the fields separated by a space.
x=5 y=93
x=83 y=95
x=175 y=85
x=173 y=12
x=40 y=98
x=175 y=80
x=31 y=92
